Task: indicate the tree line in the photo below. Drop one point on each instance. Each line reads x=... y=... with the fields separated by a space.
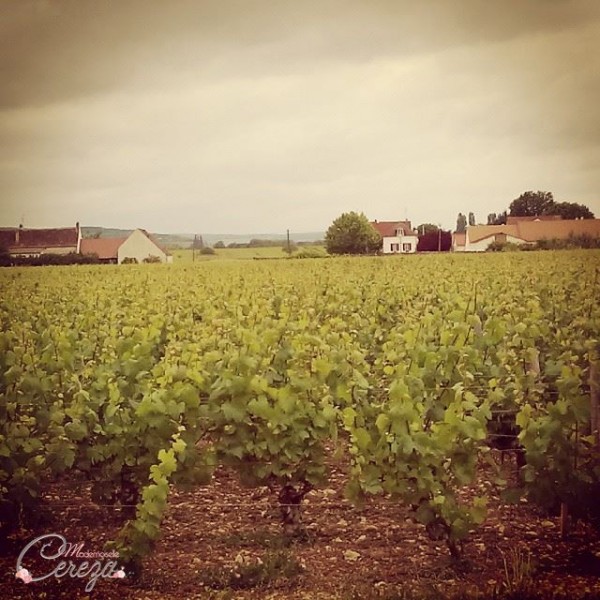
x=530 y=204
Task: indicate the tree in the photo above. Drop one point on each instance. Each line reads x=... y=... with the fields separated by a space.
x=497 y=219
x=461 y=223
x=198 y=242
x=289 y=248
x=425 y=228
x=471 y=218
x=220 y=244
x=351 y=233
x=572 y=210
x=433 y=241
x=532 y=204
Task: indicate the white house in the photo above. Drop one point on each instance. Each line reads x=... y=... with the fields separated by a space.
x=139 y=246
x=398 y=236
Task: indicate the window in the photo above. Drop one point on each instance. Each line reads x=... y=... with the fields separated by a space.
x=395 y=247
x=399 y=232
x=406 y=247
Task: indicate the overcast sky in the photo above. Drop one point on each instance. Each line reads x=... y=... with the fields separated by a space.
x=220 y=116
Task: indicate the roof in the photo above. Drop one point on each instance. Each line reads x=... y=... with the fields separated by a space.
x=7 y=238
x=480 y=232
x=533 y=231
x=388 y=228
x=510 y=220
x=105 y=248
x=39 y=238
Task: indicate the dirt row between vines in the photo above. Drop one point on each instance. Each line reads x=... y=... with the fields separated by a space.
x=354 y=553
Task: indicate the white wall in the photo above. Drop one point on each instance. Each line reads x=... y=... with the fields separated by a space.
x=40 y=251
x=139 y=246
x=405 y=239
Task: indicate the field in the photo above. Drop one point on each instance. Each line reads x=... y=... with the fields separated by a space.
x=342 y=428
x=187 y=256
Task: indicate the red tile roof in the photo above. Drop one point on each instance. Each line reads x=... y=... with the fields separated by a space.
x=105 y=248
x=16 y=238
x=7 y=238
x=514 y=220
x=389 y=228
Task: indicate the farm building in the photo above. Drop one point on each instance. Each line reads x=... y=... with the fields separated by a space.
x=19 y=241
x=478 y=238
x=137 y=247
x=398 y=236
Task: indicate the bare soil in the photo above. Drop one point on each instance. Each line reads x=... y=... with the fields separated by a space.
x=354 y=553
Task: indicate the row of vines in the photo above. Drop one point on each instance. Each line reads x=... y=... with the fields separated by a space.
x=139 y=378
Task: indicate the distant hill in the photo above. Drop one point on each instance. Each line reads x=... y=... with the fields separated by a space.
x=183 y=240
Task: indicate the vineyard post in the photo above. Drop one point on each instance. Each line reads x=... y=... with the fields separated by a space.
x=595 y=400
x=564 y=520
x=594 y=381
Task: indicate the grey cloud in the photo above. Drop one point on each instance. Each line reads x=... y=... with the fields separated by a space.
x=66 y=48
x=245 y=117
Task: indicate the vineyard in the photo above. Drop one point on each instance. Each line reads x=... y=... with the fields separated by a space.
x=404 y=380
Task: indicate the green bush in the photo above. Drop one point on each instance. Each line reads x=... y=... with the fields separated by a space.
x=496 y=247
x=311 y=253
x=72 y=258
x=504 y=247
x=573 y=241
x=207 y=250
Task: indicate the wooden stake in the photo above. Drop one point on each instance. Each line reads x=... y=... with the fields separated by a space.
x=564 y=520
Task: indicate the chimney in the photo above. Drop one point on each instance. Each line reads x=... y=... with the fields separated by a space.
x=18 y=233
